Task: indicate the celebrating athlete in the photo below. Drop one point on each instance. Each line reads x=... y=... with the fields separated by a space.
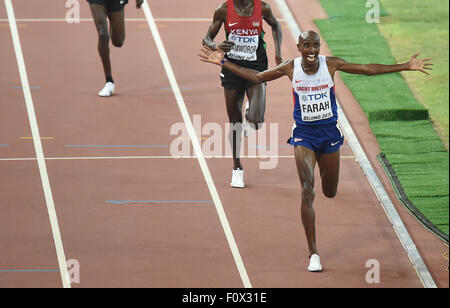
x=245 y=46
x=102 y=10
x=316 y=136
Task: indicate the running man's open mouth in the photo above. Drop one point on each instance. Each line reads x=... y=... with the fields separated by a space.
x=311 y=58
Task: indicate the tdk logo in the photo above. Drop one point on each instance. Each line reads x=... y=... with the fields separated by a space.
x=318 y=96
x=244 y=39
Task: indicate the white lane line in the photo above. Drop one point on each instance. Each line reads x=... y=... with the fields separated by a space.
x=197 y=148
x=126 y=19
x=38 y=146
x=154 y=157
x=389 y=208
x=293 y=26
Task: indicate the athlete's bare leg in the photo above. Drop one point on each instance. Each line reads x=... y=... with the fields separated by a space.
x=257 y=105
x=100 y=16
x=117 y=27
x=329 y=173
x=234 y=100
x=116 y=32
x=306 y=161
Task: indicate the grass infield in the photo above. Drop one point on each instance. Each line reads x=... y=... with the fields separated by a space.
x=399 y=121
x=417 y=25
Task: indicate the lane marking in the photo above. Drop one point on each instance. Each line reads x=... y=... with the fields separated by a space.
x=159 y=26
x=20 y=87
x=126 y=19
x=155 y=157
x=42 y=138
x=155 y=202
x=7 y=25
x=169 y=88
x=387 y=205
x=38 y=146
x=196 y=145
x=28 y=270
x=114 y=146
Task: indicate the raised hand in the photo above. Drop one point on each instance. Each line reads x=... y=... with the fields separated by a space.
x=210 y=56
x=420 y=65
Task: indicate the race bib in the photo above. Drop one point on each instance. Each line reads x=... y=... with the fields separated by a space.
x=316 y=106
x=245 y=47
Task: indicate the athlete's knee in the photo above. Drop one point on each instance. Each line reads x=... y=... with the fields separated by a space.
x=256 y=121
x=235 y=118
x=308 y=193
x=118 y=42
x=329 y=188
x=256 y=117
x=103 y=36
x=330 y=193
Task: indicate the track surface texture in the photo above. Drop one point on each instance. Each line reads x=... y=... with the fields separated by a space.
x=132 y=215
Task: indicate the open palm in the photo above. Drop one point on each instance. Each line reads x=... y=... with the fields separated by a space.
x=211 y=56
x=420 y=65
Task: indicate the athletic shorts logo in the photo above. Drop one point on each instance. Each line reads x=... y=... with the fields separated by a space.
x=335 y=143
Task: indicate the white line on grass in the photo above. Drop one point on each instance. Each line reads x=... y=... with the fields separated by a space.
x=38 y=146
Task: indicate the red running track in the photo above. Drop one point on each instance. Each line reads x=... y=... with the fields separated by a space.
x=160 y=244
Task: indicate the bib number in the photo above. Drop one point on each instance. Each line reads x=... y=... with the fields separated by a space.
x=245 y=47
x=316 y=107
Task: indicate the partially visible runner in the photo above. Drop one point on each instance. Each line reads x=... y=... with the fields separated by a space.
x=102 y=10
x=316 y=136
x=245 y=46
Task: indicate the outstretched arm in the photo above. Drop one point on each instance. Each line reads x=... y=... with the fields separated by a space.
x=276 y=31
x=217 y=57
x=414 y=64
x=220 y=16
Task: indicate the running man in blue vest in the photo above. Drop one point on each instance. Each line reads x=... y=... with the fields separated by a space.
x=316 y=136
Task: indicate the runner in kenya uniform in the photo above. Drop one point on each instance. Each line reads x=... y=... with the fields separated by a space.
x=244 y=46
x=316 y=136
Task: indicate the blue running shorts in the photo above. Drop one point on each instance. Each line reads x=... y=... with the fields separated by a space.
x=322 y=139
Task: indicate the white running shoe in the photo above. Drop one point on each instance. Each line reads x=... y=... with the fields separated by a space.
x=248 y=129
x=314 y=264
x=237 y=180
x=108 y=90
